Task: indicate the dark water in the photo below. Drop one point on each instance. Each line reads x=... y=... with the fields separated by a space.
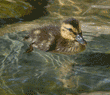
x=44 y=73
x=13 y=11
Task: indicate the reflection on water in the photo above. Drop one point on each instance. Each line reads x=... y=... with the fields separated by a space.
x=44 y=73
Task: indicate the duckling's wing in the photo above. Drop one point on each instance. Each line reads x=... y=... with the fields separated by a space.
x=52 y=46
x=43 y=44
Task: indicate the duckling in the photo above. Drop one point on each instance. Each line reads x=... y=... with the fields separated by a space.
x=64 y=39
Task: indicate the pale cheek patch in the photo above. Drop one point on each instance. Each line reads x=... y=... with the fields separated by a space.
x=67 y=35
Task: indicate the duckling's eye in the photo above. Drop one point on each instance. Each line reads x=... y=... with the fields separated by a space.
x=70 y=30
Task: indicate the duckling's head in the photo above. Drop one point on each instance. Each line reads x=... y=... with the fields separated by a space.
x=71 y=30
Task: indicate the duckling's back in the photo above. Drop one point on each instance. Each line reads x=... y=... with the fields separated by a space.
x=44 y=38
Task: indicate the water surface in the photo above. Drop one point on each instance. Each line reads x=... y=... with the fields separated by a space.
x=44 y=73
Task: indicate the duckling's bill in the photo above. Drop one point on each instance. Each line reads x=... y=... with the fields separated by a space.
x=80 y=39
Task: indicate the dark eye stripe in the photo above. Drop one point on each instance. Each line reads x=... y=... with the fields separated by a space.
x=71 y=31
x=74 y=33
x=80 y=34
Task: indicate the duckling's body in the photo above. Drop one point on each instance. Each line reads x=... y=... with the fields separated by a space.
x=63 y=39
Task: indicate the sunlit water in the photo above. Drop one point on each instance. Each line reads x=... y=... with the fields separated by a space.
x=44 y=73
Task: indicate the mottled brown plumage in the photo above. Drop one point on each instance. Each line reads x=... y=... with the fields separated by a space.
x=66 y=39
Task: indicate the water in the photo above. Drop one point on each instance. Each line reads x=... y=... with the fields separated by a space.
x=40 y=73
